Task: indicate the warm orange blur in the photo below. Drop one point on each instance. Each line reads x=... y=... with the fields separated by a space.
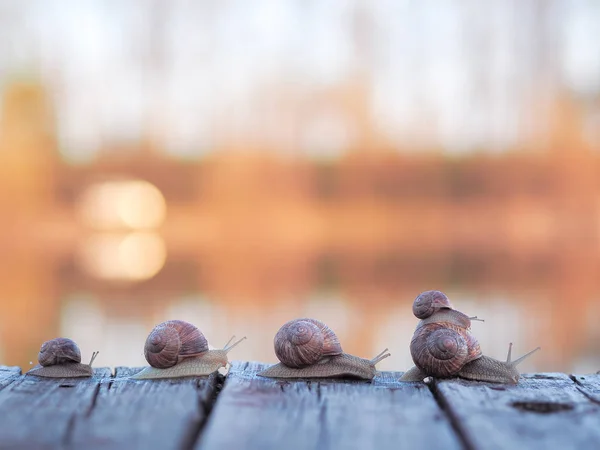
x=252 y=239
x=240 y=166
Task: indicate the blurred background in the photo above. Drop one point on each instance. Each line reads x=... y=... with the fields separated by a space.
x=238 y=164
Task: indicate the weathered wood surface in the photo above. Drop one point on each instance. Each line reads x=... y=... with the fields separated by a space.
x=544 y=411
x=112 y=411
x=259 y=413
x=142 y=414
x=40 y=412
x=8 y=375
x=589 y=385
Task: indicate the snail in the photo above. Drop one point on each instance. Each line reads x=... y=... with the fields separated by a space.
x=429 y=303
x=443 y=346
x=176 y=349
x=61 y=358
x=307 y=348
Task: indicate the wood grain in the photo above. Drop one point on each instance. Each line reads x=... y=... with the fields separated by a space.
x=8 y=374
x=41 y=412
x=141 y=414
x=258 y=413
x=544 y=411
x=589 y=385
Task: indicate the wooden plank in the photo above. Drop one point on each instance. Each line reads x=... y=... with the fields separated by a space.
x=259 y=413
x=589 y=385
x=8 y=374
x=544 y=411
x=130 y=414
x=40 y=412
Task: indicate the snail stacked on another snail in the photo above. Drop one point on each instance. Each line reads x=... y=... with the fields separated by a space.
x=61 y=358
x=443 y=346
x=176 y=349
x=307 y=348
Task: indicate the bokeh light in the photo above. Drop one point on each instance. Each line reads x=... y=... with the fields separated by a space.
x=239 y=164
x=127 y=203
x=123 y=256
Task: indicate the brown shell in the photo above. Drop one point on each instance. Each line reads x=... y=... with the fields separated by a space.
x=441 y=350
x=59 y=351
x=302 y=342
x=172 y=340
x=429 y=302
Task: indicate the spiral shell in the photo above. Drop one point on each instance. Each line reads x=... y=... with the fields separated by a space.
x=59 y=351
x=172 y=340
x=302 y=342
x=429 y=302
x=441 y=350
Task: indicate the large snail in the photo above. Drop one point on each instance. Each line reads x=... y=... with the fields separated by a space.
x=61 y=358
x=443 y=346
x=176 y=349
x=307 y=348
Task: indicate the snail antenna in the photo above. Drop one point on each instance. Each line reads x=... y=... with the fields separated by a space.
x=229 y=347
x=384 y=354
x=229 y=341
x=520 y=360
x=93 y=357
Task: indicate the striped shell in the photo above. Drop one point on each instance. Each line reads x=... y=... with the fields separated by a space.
x=171 y=341
x=429 y=302
x=303 y=342
x=442 y=349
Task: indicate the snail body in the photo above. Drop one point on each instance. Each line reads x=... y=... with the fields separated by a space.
x=485 y=369
x=177 y=349
x=443 y=346
x=61 y=358
x=307 y=348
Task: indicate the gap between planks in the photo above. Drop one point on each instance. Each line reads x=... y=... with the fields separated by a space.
x=254 y=412
x=105 y=411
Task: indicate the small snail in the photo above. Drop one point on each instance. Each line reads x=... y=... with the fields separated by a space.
x=429 y=302
x=61 y=358
x=177 y=349
x=307 y=348
x=443 y=346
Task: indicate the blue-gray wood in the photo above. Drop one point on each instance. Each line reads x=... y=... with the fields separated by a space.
x=8 y=375
x=40 y=412
x=549 y=411
x=143 y=414
x=544 y=411
x=589 y=385
x=259 y=413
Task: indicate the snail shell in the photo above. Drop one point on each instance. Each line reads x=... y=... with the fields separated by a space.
x=61 y=358
x=59 y=351
x=442 y=349
x=443 y=346
x=191 y=365
x=307 y=348
x=303 y=342
x=429 y=302
x=171 y=341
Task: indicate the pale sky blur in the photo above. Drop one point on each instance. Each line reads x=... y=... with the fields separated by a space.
x=461 y=75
